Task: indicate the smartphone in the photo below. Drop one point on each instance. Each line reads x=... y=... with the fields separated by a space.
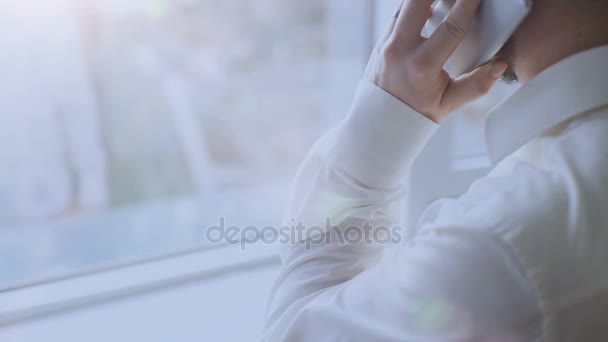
x=494 y=24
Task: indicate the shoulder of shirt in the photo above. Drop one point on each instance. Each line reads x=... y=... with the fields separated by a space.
x=530 y=191
x=550 y=210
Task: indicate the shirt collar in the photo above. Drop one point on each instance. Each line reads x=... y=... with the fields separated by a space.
x=571 y=87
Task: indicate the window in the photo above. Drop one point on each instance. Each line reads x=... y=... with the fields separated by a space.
x=130 y=126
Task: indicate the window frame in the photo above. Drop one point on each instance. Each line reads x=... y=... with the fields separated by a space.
x=52 y=295
x=134 y=279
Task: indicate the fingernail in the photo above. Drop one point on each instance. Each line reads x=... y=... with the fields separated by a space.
x=498 y=69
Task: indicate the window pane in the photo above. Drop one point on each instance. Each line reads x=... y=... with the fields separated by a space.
x=130 y=126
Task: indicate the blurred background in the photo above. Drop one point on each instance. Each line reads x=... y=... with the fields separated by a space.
x=128 y=127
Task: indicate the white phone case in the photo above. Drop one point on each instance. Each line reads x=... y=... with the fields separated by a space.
x=495 y=23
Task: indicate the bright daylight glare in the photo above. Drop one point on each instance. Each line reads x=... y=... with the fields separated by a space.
x=128 y=127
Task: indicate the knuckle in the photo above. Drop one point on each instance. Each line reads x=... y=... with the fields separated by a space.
x=420 y=65
x=390 y=52
x=481 y=88
x=453 y=28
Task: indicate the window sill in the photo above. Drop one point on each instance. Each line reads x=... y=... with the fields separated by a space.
x=69 y=294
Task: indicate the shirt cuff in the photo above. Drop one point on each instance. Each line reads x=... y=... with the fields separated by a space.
x=380 y=139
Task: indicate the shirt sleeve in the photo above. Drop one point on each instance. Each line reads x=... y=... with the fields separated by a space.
x=336 y=282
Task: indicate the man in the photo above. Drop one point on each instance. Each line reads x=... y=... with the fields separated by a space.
x=522 y=255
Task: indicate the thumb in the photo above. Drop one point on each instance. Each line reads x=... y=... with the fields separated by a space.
x=474 y=85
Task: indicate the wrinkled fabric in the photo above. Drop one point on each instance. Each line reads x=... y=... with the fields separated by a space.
x=521 y=256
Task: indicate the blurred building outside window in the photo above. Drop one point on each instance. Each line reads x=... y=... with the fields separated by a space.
x=54 y=161
x=129 y=127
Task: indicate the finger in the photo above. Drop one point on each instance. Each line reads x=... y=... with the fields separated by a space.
x=372 y=63
x=392 y=25
x=444 y=41
x=472 y=86
x=412 y=17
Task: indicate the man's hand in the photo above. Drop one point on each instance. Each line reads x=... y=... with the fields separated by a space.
x=410 y=67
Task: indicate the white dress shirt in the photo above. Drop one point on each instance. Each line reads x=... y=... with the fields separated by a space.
x=521 y=256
